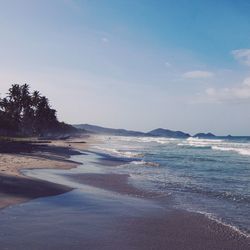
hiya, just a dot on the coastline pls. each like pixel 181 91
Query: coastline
pixel 16 188
pixel 157 228
pixel 119 183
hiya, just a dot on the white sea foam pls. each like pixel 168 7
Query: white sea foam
pixel 110 150
pixel 217 144
pixel 160 140
pixel 131 154
pixel 196 142
pixel 241 151
pixel 120 153
pixel 219 221
pixel 194 139
pixel 146 163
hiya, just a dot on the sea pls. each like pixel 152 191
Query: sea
pixel 208 176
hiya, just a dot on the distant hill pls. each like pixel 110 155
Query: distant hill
pixel 205 135
pixel 108 131
pixel 160 132
pixel 168 133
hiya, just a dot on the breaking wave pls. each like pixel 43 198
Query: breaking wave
pixel 217 144
pixel 160 140
pixel 120 153
pixel 241 151
pixel 146 163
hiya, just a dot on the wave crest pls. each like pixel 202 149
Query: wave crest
pixel 241 151
pixel 146 163
pixel 120 153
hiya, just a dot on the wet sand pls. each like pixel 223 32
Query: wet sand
pixel 112 182
pixel 15 189
pixel 166 228
pixel 112 215
pixel 182 230
pixel 33 154
pixel 93 220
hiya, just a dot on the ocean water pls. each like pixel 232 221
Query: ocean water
pixel 205 176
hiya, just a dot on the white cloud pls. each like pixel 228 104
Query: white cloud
pixel 242 55
pixel 105 40
pixel 167 64
pixel 237 93
pixel 197 74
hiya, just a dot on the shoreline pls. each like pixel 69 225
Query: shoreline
pixel 119 183
pixel 177 229
pixel 16 188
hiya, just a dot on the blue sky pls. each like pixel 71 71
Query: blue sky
pixel 182 64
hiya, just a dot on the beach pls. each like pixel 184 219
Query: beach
pixel 15 156
pixel 78 200
pixel 124 125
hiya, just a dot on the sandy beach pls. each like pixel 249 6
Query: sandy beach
pixel 16 156
pixel 114 215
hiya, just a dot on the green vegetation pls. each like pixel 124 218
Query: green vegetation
pixel 26 113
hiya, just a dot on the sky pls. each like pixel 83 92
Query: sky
pixel 177 64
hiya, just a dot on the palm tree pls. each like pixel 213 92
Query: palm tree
pixel 45 117
pixel 36 96
pixel 6 119
pixel 14 100
pixel 28 113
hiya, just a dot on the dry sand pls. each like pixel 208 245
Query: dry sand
pixel 50 155
pixel 15 156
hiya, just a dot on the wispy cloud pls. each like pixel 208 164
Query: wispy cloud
pixel 242 55
pixel 167 64
pixel 238 93
pixel 104 39
pixel 198 74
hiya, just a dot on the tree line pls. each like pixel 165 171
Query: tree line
pixel 26 113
